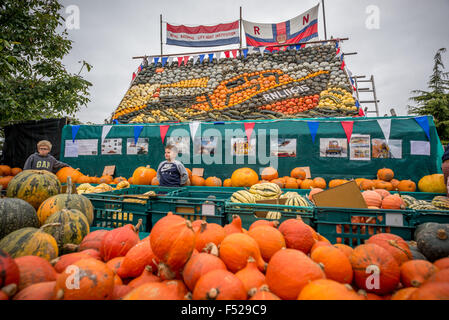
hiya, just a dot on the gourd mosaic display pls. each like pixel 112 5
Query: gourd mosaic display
pixel 305 83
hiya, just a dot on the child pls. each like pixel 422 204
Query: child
pixel 172 173
pixel 42 160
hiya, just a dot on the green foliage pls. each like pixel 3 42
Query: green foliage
pixel 436 101
pixel 34 84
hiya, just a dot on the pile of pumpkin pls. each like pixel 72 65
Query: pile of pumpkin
pixel 6 174
pixel 181 260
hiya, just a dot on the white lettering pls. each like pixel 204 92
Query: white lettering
pixel 73 20
pixel 73 280
pixel 372 282
pixel 373 20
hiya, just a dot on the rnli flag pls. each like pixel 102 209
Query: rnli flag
pixel 300 29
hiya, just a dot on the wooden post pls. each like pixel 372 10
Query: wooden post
pixel 324 21
pixel 240 32
pixel 161 36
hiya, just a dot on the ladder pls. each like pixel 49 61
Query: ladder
pixel 372 89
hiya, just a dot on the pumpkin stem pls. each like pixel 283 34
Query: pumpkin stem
pixel 275 223
pixel 251 259
pixel 69 185
pixel 149 268
pixel 71 247
pixel 441 234
pixel 212 294
pixel 55 261
pixel 203 226
pixel 361 292
pixel 10 289
pixel 252 292
pixel 188 296
pixel 60 294
pixel 211 248
pixel 394 243
pixel 50 225
pixel 189 224
pixel 138 225
pixel 164 272
pixel 415 283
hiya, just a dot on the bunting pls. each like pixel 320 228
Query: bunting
pixel 163 130
pixel 137 131
pixel 313 128
pixel 249 126
pixel 347 127
pixel 164 60
pixel 424 124
pixel 104 132
pixel 75 130
pixel 385 126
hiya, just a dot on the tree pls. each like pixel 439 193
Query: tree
pixel 435 102
pixel 34 84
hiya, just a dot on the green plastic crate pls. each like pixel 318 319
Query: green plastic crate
pixel 423 216
pixel 248 211
pixel 351 227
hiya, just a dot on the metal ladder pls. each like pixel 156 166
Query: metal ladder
pixel 372 90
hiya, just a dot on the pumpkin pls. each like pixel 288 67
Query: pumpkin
pixel 208 233
pixel 152 291
pixel 375 269
pixel 385 174
pixel 367 185
pixel 279 182
pixel 290 183
pixel 235 250
pixel 261 222
pixel 337 182
pixel 263 293
pixel 33 270
pixel 114 264
pixel 178 288
pixel 372 198
pixel 380 184
pixel 95 281
pixel 219 285
pixel 37 291
pixel 442 263
pixel 227 183
pixel 62 262
pixel 394 244
pixel 120 291
pixel 173 240
pixel 235 226
pixel 383 193
pixel 289 271
pixel 439 276
pixel 307 184
pixel 327 289
pixel 298 173
pixel 143 175
pixel 406 186
pixel 297 235
pixel 395 184
pixel 9 270
pixel 347 250
pixel 108 179
pixel 131 180
pixel 213 182
pixel 5 170
pixel 432 291
pixel 415 272
pixel 318 244
pixel 269 239
pixel 269 174
pixel 189 173
pixel 393 201
pixel 4 181
pixel 155 182
pixel 93 240
pixel 66 172
pixel 119 179
pixel 403 294
pixel 146 276
pixel 251 276
pixel 432 183
pixel 15 171
pixel 312 192
pixel 335 263
pixel 117 242
pixel 83 179
pixel 69 226
pixel 244 177
pixel 16 214
pixel 30 242
pixel 198 181
pixel 319 182
pixel 34 186
pixel 199 265
pixel 136 259
pixel 432 240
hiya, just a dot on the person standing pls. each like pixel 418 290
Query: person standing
pixel 171 172
pixel 42 160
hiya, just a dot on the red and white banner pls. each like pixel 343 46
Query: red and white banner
pixel 203 36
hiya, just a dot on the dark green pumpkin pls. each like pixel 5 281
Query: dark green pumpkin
pixel 16 214
pixel 415 252
pixel 70 226
pixel 433 240
pixel 34 186
pixel 30 242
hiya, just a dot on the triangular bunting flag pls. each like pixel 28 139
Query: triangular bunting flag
pixel 245 52
pixel 385 126
pixel 170 60
pixel 249 126
pixel 179 61
pixel 347 127
pixel 75 130
pixel 163 130
pixel 211 57
pixel 424 124
pixel 361 112
pixel 261 50
pixel 105 131
pixel 134 76
pixel 313 128
pixel 164 60
pixel 218 56
pixel 186 60
pixel 194 128
pixel 202 57
pixel 137 131
pixel 343 64
pixel 298 47
pixel 156 60
pixel 250 50
pixel 195 59
pixel 115 121
pixel 234 53
pixel 226 54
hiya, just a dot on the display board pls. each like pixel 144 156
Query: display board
pixel 331 147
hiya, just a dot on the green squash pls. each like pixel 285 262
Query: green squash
pixel 433 240
pixel 16 214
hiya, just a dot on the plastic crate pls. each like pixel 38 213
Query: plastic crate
pixel 142 235
pixel 249 212
pixel 423 216
pixel 353 226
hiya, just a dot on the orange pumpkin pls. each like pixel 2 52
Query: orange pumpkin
pixel 143 175
pixel 269 174
pixel 244 177
pixel 261 222
pixel 385 174
pixel 208 233
pixel 297 235
pixel 367 185
pixel 393 201
pixel 319 182
pixel 432 291
pixel 395 184
pixel 120 291
pixel 83 179
pixel 34 269
pixel 372 198
pixel 235 226
pixel 289 271
pixel 442 263
pixel 439 276
pixel 146 276
pixel 117 242
pixel 347 250
pixel 4 181
pixel 65 172
pixel 155 182
pixel 383 193
pixel 152 291
pixel 307 184
pixel 119 179
pixel 415 272
pixel 337 182
pixel 106 179
pixel 5 170
pixel 314 191
pixel 15 171
pixel 136 259
pixel 213 182
pixel 219 285
pixel 62 262
pixel 115 263
pixel 407 186
pixel 335 263
pixel 198 181
pixel 290 183
pixel 227 183
pixel 318 244
pixel 394 244
pixel 298 173
pixel 189 172
pixel 403 294
pixel 263 293
pixel 279 182
pixel 37 291
pixel 251 276
pixel 269 239
pixel 327 289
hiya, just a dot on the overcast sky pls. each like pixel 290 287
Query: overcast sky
pixel 399 54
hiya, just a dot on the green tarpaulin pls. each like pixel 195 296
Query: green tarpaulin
pixel 409 153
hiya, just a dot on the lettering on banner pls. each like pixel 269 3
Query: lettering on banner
pixel 285 93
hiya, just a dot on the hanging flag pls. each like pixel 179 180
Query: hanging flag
pixel 250 50
pixel 245 52
pixel 385 126
pixel 361 112
pixel 134 76
pixel 195 59
pixel 211 57
pixel 139 68
pixel 186 59
pixel 202 57
pixel 203 36
pixel 194 126
pixel 163 130
pixel 301 28
pixel 75 130
pixel 347 127
pixel 137 131
pixel 170 60
pixel 164 60
pixel 424 124
pixel 249 126
pixel 218 56
pixel 234 53
pixel 226 54
pixel 104 132
pixel 343 64
pixel 313 128
pixel 156 60
pixel 298 47
pixel 261 50
pixel 179 61
pixel 115 121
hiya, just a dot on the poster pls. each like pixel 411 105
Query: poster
pixel 360 147
pixel 420 148
pixel 182 144
pixel 141 147
pixel 111 146
pixel 81 147
pixel 205 145
pixel 383 151
pixel 283 148
pixel 240 147
pixel 333 147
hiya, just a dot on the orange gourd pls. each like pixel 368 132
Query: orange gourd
pixel 347 250
pixel 146 276
pixel 280 182
pixel 219 285
pixel 261 222
pixel 227 183
pixel 415 272
pixel 251 276
pixel 403 294
pixel 235 226
pixel 383 193
pixel 65 172
pixel 394 202
pixel 198 181
pixel 93 240
pixel 4 181
pixel 62 262
pixel 155 182
pixel 120 291
pixel 270 240
pixel 5 170
pixel 244 177
pixel 106 179
pixel 269 174
pixel 37 291
pixel 319 182
pixel 213 182
pixel 143 175
pixel 290 183
pixel 395 184
pixel 432 291
pixel 327 289
pixel 263 293
pixel 335 263
pixel 367 185
pixel 442 263
pixel 380 184
pixel 15 171
pixel 337 182
pixel 298 173
pixel 394 244
pixel 407 186
pixel 208 233
pixel 152 291
pixel 136 259
pixel 307 184
pixel 372 198
pixel 34 269
pixel 117 242
pixel 385 174
pixel 318 244
pixel 297 235
pixel 314 191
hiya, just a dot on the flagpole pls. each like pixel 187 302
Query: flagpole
pixel 161 35
pixel 240 31
pixel 324 21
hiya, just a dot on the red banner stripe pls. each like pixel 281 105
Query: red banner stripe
pixel 203 29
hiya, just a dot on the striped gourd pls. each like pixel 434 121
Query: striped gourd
pixel 34 186
pixel 69 226
pixel 289 194
pixel 16 214
pixel 274 215
pixel 408 200
pixel 243 196
pixel 423 206
pixel 298 202
pixel 30 242
pixel 441 202
pixel 268 189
